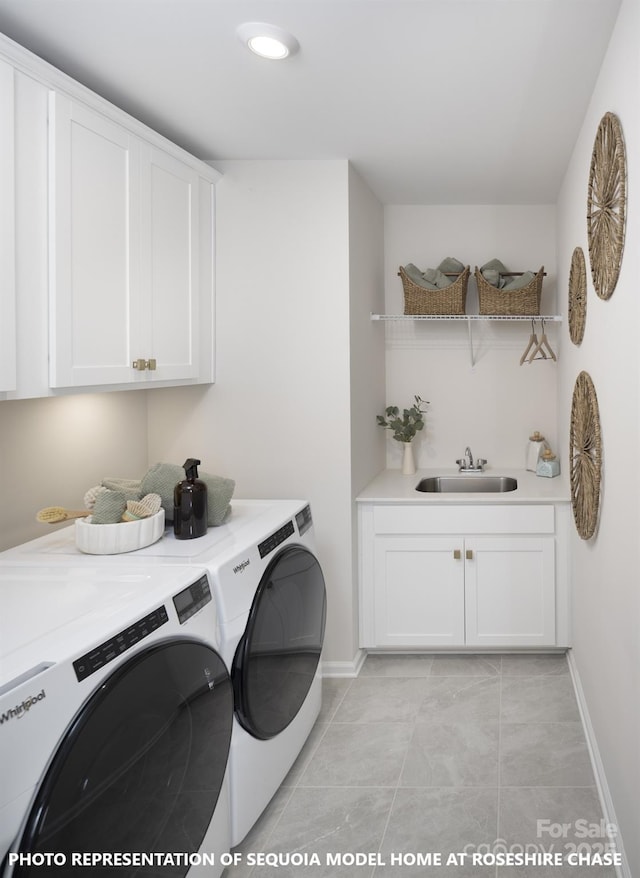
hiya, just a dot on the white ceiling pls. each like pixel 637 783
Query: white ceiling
pixel 434 101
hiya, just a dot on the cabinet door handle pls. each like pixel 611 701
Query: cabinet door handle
pixel 469 554
pixel 141 365
pixel 457 554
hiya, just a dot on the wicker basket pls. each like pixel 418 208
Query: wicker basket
pixel 520 302
pixel 449 300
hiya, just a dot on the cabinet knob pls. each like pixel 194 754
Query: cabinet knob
pixel 469 554
pixel 457 554
pixel 141 365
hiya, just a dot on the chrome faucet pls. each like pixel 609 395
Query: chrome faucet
pixel 466 463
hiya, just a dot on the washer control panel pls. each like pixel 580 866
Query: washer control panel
pixel 304 520
pixel 101 655
pixel 267 546
pixel 191 599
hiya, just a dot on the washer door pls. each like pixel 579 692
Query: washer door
pixel 141 766
pixel 277 657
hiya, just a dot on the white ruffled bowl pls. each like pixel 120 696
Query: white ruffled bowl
pixel 115 539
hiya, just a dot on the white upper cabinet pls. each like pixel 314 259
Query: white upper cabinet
pixel 94 278
pixel 106 243
pixel 7 232
pixel 126 291
pixel 170 264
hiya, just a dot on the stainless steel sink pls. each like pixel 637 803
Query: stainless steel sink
pixel 467 484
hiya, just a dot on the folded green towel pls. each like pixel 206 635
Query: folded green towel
pixel 129 487
pixel 434 278
pixel 414 274
pixel 163 477
pixel 520 281
pixel 449 265
pixel 493 277
pixel 108 507
pixel 437 278
pixel 492 272
pixel 494 265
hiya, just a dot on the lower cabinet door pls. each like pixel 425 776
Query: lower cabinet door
pixel 419 591
pixel 510 591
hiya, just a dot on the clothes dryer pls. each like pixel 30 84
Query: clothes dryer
pixel 116 713
pixel 271 599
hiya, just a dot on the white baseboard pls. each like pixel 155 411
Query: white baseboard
pixel 608 810
pixel 344 669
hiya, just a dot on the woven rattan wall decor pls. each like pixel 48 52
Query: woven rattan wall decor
pixel 606 205
pixel 586 456
pixel 577 296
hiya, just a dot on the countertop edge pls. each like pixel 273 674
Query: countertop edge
pixel 391 486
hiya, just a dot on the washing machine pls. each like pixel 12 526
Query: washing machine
pixel 270 595
pixel 116 712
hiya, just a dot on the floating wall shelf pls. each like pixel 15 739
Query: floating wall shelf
pixel 548 318
pixel 470 319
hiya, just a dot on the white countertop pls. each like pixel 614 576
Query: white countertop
pixel 391 486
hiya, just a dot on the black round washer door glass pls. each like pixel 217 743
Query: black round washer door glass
pixel 277 658
pixel 141 766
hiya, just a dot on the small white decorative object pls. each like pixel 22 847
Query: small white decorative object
pixel 534 450
pixel 114 539
pixel 408 463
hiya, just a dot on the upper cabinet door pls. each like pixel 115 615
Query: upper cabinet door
pixel 94 209
pixel 7 232
pixel 169 235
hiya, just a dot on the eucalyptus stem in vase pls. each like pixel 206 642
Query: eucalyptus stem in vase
pixel 404 427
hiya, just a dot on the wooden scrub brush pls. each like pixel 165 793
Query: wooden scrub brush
pixel 56 514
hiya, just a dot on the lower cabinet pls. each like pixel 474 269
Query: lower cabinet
pixel 420 590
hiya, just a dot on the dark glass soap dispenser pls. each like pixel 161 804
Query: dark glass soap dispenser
pixel 190 504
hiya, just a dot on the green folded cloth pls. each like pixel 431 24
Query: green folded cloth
pixel 520 281
pixel 108 507
pixel 163 477
pixel 494 265
pixel 449 265
pixel 434 278
pixel 129 487
pixel 418 277
pixel 493 277
pixel 494 273
pixel 437 278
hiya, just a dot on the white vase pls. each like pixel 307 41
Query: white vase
pixel 408 463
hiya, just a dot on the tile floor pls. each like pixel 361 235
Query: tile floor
pixel 437 754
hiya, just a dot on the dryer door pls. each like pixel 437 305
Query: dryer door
pixel 141 766
pixel 277 657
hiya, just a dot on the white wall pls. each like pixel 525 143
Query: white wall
pixel 278 419
pixel 494 405
pixel 53 450
pixel 367 364
pixel 606 569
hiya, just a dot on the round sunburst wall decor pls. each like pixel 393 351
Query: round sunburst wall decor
pixel 585 447
pixel 606 205
pixel 577 296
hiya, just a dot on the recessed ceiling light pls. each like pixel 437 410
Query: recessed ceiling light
pixel 268 40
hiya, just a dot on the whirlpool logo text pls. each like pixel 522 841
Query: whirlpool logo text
pixel 20 710
pixel 241 566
